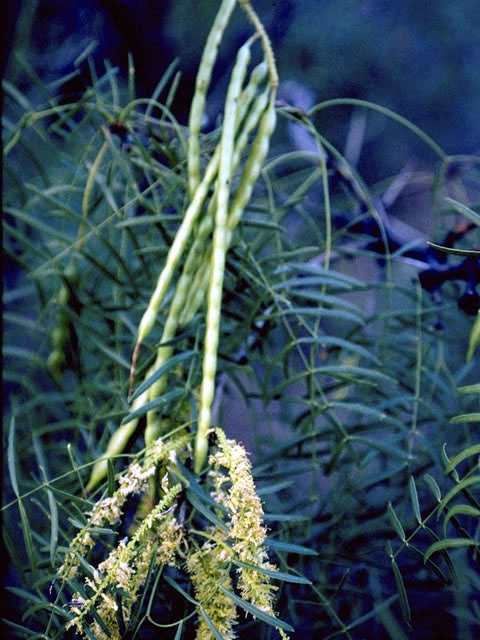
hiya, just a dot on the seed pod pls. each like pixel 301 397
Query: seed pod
pixel 181 238
pixel 148 320
pixel 254 164
pixel 56 359
pixel 117 443
pixel 204 74
pixel 218 256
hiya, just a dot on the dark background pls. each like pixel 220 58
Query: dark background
pixel 419 58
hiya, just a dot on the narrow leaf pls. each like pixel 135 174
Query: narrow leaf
pixel 449 543
pixel 158 402
pixel 465 417
pixel 414 498
pixel 110 478
pixel 211 626
pixel 276 575
pixel 172 362
pixel 396 524
pixel 470 451
pixel 456 252
pixel 194 501
pixel 463 484
pixel 402 594
pixel 176 586
pixel 277 545
pixel 432 483
pixel 256 612
pixel 464 210
pixel 463 509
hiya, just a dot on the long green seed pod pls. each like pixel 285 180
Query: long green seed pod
pixel 117 443
pixel 56 359
pixel 154 425
pixel 253 166
pixel 204 74
pixel 150 315
pixel 196 251
pixel 218 256
pixel 250 175
pixel 181 238
pixel 266 44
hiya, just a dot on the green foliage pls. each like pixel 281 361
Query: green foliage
pixel 331 368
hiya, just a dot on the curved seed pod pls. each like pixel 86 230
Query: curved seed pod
pixel 266 44
pixel 116 444
pixel 196 296
pixel 218 256
pixel 204 74
pixel 154 424
pixel 60 333
pixel 257 76
pixel 195 259
pixel 200 283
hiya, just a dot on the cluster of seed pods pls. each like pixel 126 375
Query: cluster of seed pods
pixel 205 233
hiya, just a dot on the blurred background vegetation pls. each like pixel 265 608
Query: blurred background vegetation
pixel 420 59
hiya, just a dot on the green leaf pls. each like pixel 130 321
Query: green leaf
pixel 449 543
pixel 277 545
pixel 466 417
pixel 473 343
pixel 463 484
pixel 176 586
pixel 316 312
pixel 110 478
pixel 446 462
pixel 396 524
pixel 388 450
pixel 284 517
pixel 402 594
pixel 172 362
pixel 463 509
pixel 414 499
pixel 274 488
pixel 464 210
pixel 456 252
pixel 195 502
pixel 153 404
pixel 470 451
pixel 210 624
pixel 276 575
pixel 188 479
pixel 26 527
pixel 471 388
pixel 256 612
